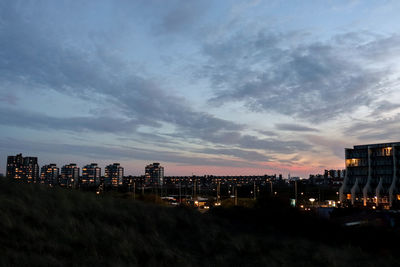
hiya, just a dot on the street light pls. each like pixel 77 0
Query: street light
pixel 312 201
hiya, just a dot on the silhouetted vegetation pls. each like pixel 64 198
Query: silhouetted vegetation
pixel 42 226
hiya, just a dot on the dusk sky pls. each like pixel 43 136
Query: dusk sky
pixel 203 87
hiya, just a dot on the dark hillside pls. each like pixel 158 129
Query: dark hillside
pixel 42 226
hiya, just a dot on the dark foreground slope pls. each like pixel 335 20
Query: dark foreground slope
pixel 40 226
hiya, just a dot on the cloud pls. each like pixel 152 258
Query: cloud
pixel 378 131
pixel 107 55
pixel 238 153
pixel 382 48
pixel 181 16
pixel 38 121
pixel 294 127
pixel 44 60
pixel 245 141
pixel 273 144
pixel 114 153
pixel 102 124
pixel 9 98
pixel 383 107
pixel 267 133
pixel 291 75
pixel 336 146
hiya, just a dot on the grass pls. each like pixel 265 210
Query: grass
pixel 42 226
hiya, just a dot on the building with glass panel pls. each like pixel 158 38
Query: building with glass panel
pixel 91 175
pixel 114 175
pixel 24 169
pixel 154 174
pixel 69 175
pixel 372 175
pixel 49 174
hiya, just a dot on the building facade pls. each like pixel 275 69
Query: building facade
pixel 25 169
pixel 69 175
pixel 91 175
pixel 31 169
pixel 49 174
pixel 154 174
pixel 15 167
pixel 114 175
pixel 372 175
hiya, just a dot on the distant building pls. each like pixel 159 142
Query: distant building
pixel 211 180
pixel 69 175
pixel 91 175
pixel 31 169
pixel 331 174
pixel 293 178
pixel 15 167
pixel 372 175
pixel 330 177
pixel 25 169
pixel 154 174
pixel 114 175
pixel 49 174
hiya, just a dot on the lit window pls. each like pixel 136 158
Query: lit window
pixel 387 151
pixel 353 162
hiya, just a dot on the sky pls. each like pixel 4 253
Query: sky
pixel 203 87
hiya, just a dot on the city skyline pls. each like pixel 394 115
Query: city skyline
pixel 109 170
pixel 205 87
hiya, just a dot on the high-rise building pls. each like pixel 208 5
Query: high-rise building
pixel 49 174
pixel 14 167
pixel 114 175
pixel 69 175
pixel 91 175
pixel 154 174
pixel 24 169
pixel 372 175
pixel 31 169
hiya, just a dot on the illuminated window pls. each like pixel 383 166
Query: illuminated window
pixel 348 196
pixel 353 162
pixel 387 151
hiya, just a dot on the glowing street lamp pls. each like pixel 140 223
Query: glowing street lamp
pixel 312 201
